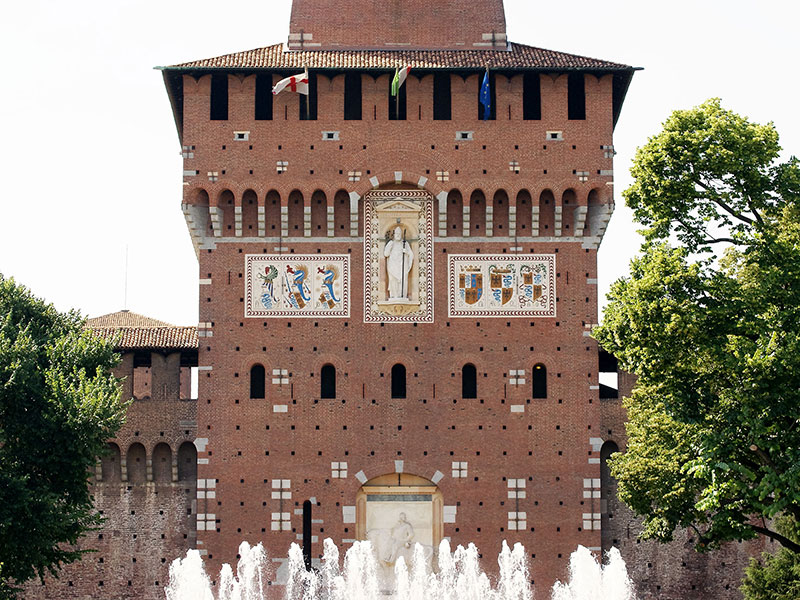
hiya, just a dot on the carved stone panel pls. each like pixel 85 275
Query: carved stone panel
pixel 398 269
pixel 499 285
pixel 297 285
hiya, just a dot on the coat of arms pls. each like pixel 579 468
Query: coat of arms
pixel 470 284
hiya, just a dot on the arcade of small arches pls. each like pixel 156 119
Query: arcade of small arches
pixel 397 383
pixel 219 213
pixel 135 466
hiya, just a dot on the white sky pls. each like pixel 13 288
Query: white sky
pixel 89 155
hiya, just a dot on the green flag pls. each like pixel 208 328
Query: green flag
pixel 399 79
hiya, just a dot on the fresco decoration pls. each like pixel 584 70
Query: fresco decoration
pixel 501 285
pixel 297 285
pixel 398 265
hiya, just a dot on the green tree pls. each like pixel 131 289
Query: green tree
pixel 709 321
pixel 775 577
pixel 59 404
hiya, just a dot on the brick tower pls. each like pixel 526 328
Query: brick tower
pixel 396 294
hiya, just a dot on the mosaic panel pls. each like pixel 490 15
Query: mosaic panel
pixel 297 285
pixel 499 285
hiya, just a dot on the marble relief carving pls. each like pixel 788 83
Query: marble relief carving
pixel 297 285
pixel 501 285
pixel 398 270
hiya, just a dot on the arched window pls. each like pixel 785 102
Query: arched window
pixel 110 464
pixel 327 382
pixel 398 381
pixel 539 377
pixel 608 495
pixel 307 539
pixel 187 462
pixel 257 381
pixel 137 464
pixel 162 463
pixel 469 381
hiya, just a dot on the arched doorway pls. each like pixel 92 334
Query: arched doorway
pixel 397 509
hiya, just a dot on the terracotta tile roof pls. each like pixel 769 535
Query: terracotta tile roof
pixel 134 331
pixel 517 56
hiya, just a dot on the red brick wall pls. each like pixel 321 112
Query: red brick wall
pixel 548 445
pixel 340 24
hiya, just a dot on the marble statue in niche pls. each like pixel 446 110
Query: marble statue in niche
pixel 399 260
pixel 397 253
pixel 401 537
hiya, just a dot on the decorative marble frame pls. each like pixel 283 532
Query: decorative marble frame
pixel 256 263
pixel 487 305
pixel 373 253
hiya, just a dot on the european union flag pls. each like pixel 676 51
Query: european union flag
pixel 486 96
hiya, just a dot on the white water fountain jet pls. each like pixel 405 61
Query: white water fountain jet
pixel 589 580
pixel 188 579
pixel 458 576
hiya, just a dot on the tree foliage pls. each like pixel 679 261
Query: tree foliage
pixel 709 321
pixel 59 404
pixel 775 577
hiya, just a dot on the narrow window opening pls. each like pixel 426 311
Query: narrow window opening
pixel 397 104
pixel 263 111
pixel 442 102
pixel 576 97
pixel 539 377
pixel 398 381
pixel 531 97
pixel 219 97
pixel 327 383
pixel 352 96
pixel 307 534
pixel 469 381
pixel 257 381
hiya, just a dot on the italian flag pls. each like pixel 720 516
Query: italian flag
pixel 399 79
pixel 295 83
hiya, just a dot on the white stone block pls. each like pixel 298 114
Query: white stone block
pixel 398 466
pixel 280 408
pixel 348 514
pixel 211 495
pixel 361 477
pixel 437 477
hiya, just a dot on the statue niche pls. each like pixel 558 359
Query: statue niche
pixel 399 261
pixel 398 270
pixel 398 222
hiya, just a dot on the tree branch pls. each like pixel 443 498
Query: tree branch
pixel 723 205
pixel 781 539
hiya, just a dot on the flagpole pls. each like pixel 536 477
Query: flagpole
pixel 397 96
pixel 308 97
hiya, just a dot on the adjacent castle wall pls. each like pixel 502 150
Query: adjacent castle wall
pixel 145 489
